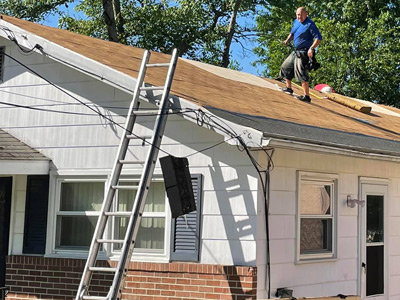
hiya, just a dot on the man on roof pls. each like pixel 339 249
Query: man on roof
pixel 306 37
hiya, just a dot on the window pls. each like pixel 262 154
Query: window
pixel 79 207
pixel 316 217
pixel 2 49
pixel 151 234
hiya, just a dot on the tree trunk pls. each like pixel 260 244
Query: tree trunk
pixel 231 31
pixel 120 21
pixel 109 18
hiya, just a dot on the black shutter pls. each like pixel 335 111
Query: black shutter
pixel 185 235
pixel 5 210
pixel 2 49
pixel 37 196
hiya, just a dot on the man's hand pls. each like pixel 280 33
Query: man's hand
pixel 310 52
pixel 285 42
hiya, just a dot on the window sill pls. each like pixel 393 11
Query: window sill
pixel 310 260
pixel 144 258
pixel 74 255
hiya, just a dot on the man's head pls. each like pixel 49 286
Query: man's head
pixel 301 14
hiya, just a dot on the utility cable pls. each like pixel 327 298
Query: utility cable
pixel 81 102
pixel 200 119
pixel 265 183
pixel 96 113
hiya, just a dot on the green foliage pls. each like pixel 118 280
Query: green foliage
pixel 198 28
pixel 32 10
pixel 359 51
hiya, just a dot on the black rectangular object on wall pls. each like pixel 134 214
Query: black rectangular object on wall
pixel 37 195
pixel 178 185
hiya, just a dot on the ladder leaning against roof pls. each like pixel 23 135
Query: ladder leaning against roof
pixel 135 215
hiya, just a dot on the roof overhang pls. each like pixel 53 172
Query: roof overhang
pixel 288 134
pixel 123 81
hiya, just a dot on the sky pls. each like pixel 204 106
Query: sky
pixel 244 58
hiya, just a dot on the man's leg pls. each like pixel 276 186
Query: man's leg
pixel 287 72
pixel 301 74
pixel 306 88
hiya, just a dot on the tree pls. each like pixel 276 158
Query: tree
pixel 359 48
pixel 201 29
pixel 34 11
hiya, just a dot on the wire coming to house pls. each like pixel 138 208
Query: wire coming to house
pixel 202 118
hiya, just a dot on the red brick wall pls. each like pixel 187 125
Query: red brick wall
pixel 32 277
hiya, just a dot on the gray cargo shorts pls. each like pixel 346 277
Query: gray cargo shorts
pixel 295 66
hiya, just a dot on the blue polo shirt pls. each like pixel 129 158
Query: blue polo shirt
pixel 304 33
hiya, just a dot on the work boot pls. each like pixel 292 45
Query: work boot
pixel 287 90
pixel 304 98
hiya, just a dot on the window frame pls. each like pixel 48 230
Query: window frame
pixel 57 204
pixel 318 179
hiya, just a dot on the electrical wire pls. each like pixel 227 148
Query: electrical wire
pixel 11 36
pixel 201 119
pixel 84 104
pixel 96 113
pixel 36 107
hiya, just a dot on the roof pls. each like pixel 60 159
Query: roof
pixel 13 149
pixel 244 98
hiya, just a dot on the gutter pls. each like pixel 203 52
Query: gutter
pixel 294 143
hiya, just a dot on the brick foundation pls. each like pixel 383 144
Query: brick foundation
pixel 33 277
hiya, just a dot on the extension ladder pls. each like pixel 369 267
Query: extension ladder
pixel 135 215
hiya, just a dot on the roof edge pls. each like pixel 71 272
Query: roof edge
pixel 315 136
pixel 116 78
pixel 70 58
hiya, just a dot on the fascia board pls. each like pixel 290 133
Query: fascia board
pixel 122 81
pixel 24 167
pixel 329 149
pixel 74 60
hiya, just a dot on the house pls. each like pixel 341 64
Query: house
pixel 327 185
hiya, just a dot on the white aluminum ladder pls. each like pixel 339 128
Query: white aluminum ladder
pixel 135 215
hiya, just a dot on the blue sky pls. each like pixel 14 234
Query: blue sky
pixel 245 59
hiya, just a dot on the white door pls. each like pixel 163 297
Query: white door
pixel 374 237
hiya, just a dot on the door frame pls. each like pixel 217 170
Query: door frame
pixel 381 186
pixel 8 181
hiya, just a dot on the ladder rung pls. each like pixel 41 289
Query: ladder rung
pixel 131 162
pixel 151 88
pixel 111 241
pixel 118 213
pixel 136 137
pixel 94 298
pixel 145 112
pixel 158 65
pixel 102 269
pixel 125 187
